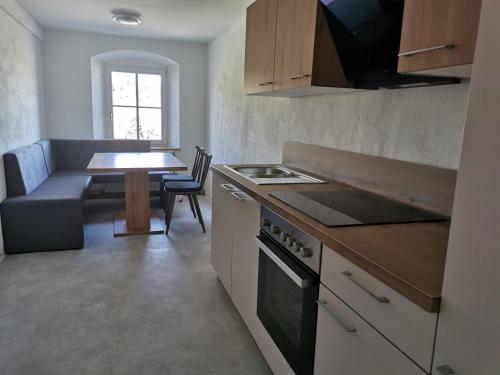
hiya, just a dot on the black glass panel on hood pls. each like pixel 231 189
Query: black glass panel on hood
pixel 365 19
pixel 367 35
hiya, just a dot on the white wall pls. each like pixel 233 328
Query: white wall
pixel 68 86
pixel 22 118
pixel 422 125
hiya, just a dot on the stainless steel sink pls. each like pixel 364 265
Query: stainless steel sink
pixel 264 172
pixel 272 175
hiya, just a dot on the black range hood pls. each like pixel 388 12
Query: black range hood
pixel 367 35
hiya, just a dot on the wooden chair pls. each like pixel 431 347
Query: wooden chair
pixel 191 189
pixel 181 177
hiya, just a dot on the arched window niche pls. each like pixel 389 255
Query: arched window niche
pixel 100 65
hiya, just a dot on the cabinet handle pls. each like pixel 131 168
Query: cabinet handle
pixel 265 83
pixel 445 370
pixel 348 328
pixel 239 195
pixel 417 51
pixel 229 187
pixel 293 78
pixel 350 276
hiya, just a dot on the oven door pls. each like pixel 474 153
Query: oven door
pixel 286 304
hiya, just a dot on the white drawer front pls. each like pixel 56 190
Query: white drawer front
pixel 347 345
pixel 404 323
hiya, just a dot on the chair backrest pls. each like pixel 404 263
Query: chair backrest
pixel 206 160
pixel 197 162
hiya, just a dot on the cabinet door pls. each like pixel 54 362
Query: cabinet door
pixel 347 345
pixel 245 275
pixel 245 261
pixel 222 229
pixel 431 25
pixel 260 46
pixel 295 36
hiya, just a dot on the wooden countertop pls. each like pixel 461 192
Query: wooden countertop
pixel 409 258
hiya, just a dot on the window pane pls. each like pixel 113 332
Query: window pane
pixel 150 124
pixel 149 90
pixel 124 123
pixel 123 88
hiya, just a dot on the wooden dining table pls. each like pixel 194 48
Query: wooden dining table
pixel 138 217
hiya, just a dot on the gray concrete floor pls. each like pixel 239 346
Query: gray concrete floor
pixel 132 305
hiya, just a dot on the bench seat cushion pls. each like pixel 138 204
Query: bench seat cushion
pixel 97 177
pixel 50 218
pixel 61 188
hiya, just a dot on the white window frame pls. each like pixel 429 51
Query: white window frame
pixel 164 100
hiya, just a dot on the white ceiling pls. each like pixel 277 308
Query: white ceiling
pixel 189 20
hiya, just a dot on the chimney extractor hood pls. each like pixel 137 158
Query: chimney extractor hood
pixel 367 35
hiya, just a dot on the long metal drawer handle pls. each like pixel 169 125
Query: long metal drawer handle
pixel 293 78
pixel 445 370
pixel 348 328
pixel 350 276
pixel 265 83
pixel 239 195
pixel 302 283
pixel 229 187
pixel 417 51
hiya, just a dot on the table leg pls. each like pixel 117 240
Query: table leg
pixel 137 218
pixel 137 201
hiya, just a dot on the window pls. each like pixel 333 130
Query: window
pixel 137 104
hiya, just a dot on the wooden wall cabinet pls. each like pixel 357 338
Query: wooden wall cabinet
pixel 291 39
pixel 260 45
pixel 439 37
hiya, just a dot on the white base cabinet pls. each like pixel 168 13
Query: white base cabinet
pixel 223 207
pixel 235 258
pixel 347 345
pixel 402 322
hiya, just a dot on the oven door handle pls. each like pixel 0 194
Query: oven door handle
pixel 301 282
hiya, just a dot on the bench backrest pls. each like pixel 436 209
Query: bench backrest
pixel 50 160
pixel 25 169
pixel 76 154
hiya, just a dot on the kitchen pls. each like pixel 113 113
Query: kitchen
pixel 369 273
pixel 249 187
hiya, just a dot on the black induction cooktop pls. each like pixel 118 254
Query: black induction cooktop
pixel 338 208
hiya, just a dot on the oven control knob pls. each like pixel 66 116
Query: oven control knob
pixel 290 241
pixel 296 246
pixel 284 236
pixel 275 229
pixel 305 252
pixel 266 223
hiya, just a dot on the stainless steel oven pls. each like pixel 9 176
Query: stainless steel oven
pixel 288 288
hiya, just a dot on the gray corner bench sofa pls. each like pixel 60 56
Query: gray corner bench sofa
pixel 47 183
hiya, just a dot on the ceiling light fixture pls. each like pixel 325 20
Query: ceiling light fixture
pixel 127 18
